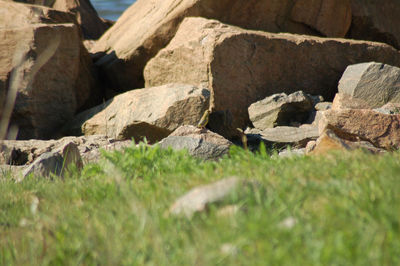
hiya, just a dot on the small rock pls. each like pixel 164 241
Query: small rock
pixel 280 110
pixel 389 109
pixel 323 106
pixel 291 152
pixel 197 199
pixel 200 143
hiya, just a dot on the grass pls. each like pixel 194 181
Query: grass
pixel 340 209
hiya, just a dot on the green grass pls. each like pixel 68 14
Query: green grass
pixel 346 207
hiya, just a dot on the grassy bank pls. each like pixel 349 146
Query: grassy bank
pixel 341 209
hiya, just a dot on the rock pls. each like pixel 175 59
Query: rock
pixel 323 106
pixel 198 199
pixel 329 17
pixel 286 153
pixel 55 162
pixel 152 113
pixel 148 26
pixel 49 78
pixel 381 130
pixel 389 109
pixel 329 141
pixel 241 66
pixel 20 153
pixel 345 101
pixel 84 13
pixel 279 137
pixel 376 20
pixel 200 143
pixel 374 83
pixel 13 14
pixel 281 110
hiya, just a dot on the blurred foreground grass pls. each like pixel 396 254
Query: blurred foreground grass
pixel 340 209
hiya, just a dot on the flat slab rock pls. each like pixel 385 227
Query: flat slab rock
pixel 200 143
pixel 282 136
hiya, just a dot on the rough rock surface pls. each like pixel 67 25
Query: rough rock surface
pixel 374 83
pixel 381 130
pixel 241 66
pixel 55 162
pixel 376 20
pixel 20 153
pixel 49 77
pixel 345 101
pixel 200 143
pixel 148 26
pixel 281 110
pixel 151 112
pixel 331 18
pixel 278 137
pixel 82 10
pixel 198 199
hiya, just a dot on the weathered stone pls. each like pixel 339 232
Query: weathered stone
pixel 345 101
pixel 374 83
pixel 329 17
pixel 152 113
pixel 323 106
pixel 55 162
pixel 18 152
pixel 376 20
pixel 381 130
pixel 200 143
pixel 389 109
pixel 241 66
pixel 14 14
pixel 278 137
pixel 291 152
pixel 46 75
pixel 329 141
pixel 148 26
pixel 82 10
pixel 281 110
pixel 199 198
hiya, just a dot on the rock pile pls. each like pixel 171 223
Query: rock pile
pixel 332 81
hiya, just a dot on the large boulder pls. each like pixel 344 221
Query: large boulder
pixel 376 20
pixel 381 130
pixel 151 112
pixel 148 26
pixel 49 77
pixel 83 12
pixel 374 83
pixel 242 66
pixel 281 110
pixel 200 143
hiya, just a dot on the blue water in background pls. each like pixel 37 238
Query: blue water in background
pixel 111 9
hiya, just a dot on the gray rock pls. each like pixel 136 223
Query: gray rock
pixel 292 152
pixel 200 143
pixel 375 83
pixel 55 162
pixel 281 110
pixel 279 137
pixel 389 109
pixel 197 199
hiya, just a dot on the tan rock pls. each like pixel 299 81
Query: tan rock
pixel 152 112
pixel 345 101
pixel 49 77
pixel 376 20
pixel 82 10
pixel 148 26
pixel 330 17
pixel 327 142
pixel 241 66
pixel 381 130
